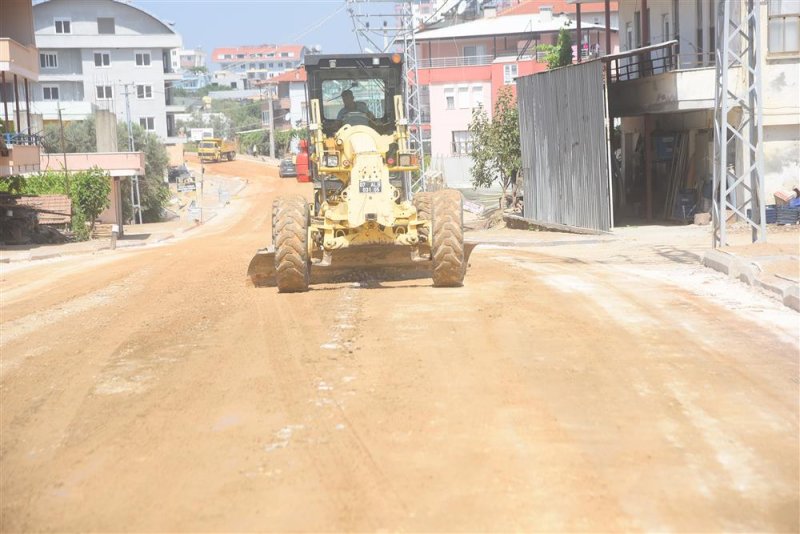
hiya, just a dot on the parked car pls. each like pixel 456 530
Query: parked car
pixel 178 173
pixel 287 169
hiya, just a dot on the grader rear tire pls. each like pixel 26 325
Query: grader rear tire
pixel 291 245
pixel 422 201
pixel 447 241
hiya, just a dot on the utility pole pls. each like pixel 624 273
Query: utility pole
pixel 271 125
pixel 63 149
pixel 738 186
pixel 135 202
pixel 128 117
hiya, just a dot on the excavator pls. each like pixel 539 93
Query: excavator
pixel 363 223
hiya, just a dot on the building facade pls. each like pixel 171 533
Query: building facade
pixel 19 70
pixel 464 66
pixel 668 92
pixel 291 107
pixel 107 55
pixel 186 59
pixel 241 67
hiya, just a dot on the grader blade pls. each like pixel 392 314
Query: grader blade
pixel 365 263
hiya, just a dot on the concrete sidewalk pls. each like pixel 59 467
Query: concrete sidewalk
pixel 773 268
pixel 136 235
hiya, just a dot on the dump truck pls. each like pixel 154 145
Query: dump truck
pixel 363 223
pixel 213 150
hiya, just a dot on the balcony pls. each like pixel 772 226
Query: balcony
pixel 654 79
pixel 18 59
pixel 461 61
pixel 20 154
pixel 642 62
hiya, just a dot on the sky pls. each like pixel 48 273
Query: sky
pixel 215 23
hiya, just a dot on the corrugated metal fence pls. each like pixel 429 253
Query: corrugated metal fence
pixel 564 150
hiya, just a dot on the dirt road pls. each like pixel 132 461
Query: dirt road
pixel 154 390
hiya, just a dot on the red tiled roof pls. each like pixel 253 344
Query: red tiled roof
pixel 51 209
pixel 247 51
pixel 296 75
pixel 527 7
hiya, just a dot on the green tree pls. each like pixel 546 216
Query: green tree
pixel 79 136
pixel 90 192
pixel 154 192
pixel 495 145
pixel 560 54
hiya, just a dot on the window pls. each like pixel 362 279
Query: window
pixel 477 96
pixel 463 97
pixel 102 59
pixel 144 91
pixel 48 60
pixel 262 66
pixel 104 92
pixel 450 98
pixel 665 26
pixel 272 65
pixel 142 59
pixel 148 123
pixel 699 32
pixel 63 25
pixel 712 32
pixel 509 73
pixel 629 35
pixel 472 54
pixel 284 54
pixel 637 29
pixel 50 92
pixel 369 97
pixel 105 26
pixel 462 143
pixel 784 26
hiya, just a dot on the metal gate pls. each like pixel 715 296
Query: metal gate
pixel 564 147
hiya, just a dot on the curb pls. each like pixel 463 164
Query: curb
pixel 785 291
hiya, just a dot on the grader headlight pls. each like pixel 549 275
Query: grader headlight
pixel 404 160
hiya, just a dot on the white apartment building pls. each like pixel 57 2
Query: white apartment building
pixel 184 59
pixel 102 54
pixel 243 66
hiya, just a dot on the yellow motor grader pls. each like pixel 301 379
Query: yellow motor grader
pixel 362 224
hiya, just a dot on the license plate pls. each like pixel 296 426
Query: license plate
pixel 369 186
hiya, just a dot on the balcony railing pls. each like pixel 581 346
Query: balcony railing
pixel 460 61
pixel 641 62
pixel 12 139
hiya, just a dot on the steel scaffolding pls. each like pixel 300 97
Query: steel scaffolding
pixel 395 32
pixel 738 125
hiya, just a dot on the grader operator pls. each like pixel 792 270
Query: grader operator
pixel 362 223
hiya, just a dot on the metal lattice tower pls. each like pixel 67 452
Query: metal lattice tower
pixel 394 32
pixel 738 152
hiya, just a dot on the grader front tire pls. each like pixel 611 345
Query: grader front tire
pixel 447 241
pixel 291 246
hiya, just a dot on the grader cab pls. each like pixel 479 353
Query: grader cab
pixel 363 223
